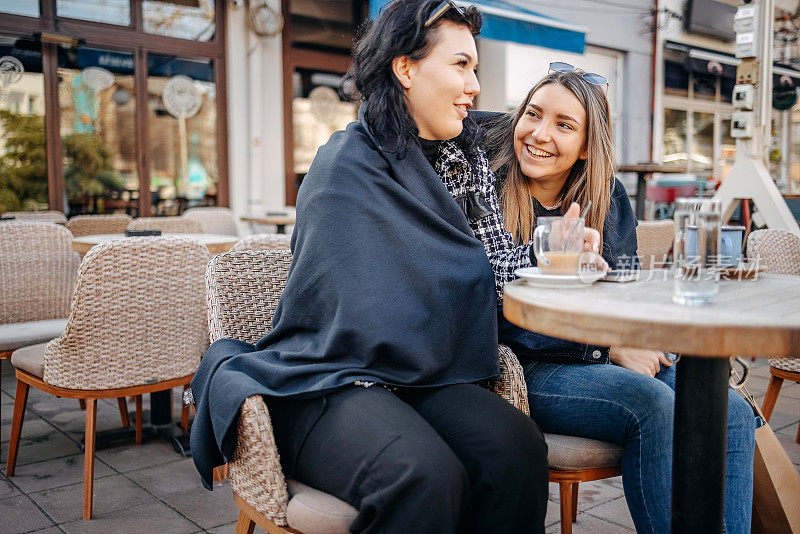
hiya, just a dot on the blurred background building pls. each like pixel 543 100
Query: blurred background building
pixel 153 106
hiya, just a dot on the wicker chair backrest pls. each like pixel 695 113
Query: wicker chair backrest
pixel 137 316
pixel 38 216
pixel 171 225
pixel 37 271
pixel 214 220
pixel 654 239
pixel 243 289
pixel 264 242
pixel 98 224
pixel 778 250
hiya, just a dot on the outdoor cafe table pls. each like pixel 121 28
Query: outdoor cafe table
pixel 757 318
pixel 280 221
pixel 643 170
pixel 216 243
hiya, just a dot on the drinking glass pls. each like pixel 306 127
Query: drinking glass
pixel 558 244
pixel 696 251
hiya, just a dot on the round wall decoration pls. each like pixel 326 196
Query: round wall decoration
pixel 181 97
pixel 11 71
pixel 97 78
pixel 266 20
pixel 324 103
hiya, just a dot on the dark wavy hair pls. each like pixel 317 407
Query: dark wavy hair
pixel 398 31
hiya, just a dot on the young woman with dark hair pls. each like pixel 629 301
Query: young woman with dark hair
pixel 387 323
pixel 555 150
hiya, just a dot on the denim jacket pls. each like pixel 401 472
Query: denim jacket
pixel 619 250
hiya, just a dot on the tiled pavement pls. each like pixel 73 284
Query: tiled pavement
pixel 151 489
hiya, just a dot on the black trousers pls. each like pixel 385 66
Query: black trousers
pixel 436 460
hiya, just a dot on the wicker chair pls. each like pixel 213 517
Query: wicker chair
pixel 779 252
pixel 98 224
pixel 171 225
pixel 264 242
pixel 137 325
pixel 37 276
pixel 243 289
pixel 38 216
pixel 214 220
pixel 655 241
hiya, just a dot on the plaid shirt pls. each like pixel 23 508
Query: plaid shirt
pixel 472 184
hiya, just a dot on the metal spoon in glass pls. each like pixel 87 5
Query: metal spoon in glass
pixel 572 232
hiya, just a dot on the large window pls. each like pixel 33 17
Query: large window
pixel 696 118
pixel 23 160
pixel 133 95
pixel 98 130
pixel 317 39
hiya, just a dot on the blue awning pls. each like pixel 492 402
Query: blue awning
pixel 506 21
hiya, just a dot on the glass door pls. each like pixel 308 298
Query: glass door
pixel 182 126
pixel 23 154
pixel 97 104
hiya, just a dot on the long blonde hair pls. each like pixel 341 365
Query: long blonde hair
pixel 589 179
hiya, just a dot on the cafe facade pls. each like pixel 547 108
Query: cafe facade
pixel 154 106
pixel 695 69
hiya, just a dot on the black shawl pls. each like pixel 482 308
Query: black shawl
pixel 387 284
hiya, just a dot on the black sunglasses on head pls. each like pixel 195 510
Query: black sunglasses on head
pixel 591 77
pixel 441 9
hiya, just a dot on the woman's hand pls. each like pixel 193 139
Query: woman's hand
pixel 591 241
pixel 647 362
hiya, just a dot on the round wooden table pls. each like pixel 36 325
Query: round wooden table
pixel 643 170
pixel 216 243
pixel 280 221
pixel 759 317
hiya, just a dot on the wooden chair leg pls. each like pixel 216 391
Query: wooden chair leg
pixel 220 473
pixel 566 505
pixel 88 458
pixel 771 397
pixel 575 501
pixel 82 403
pixel 20 402
pixel 123 412
pixel 185 414
pixel 244 525
pixel 138 419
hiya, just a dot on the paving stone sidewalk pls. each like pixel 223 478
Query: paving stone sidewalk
pixel 151 489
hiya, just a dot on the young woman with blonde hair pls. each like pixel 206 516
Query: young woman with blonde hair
pixel 555 152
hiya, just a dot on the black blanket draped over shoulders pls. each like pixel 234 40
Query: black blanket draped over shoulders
pixel 387 284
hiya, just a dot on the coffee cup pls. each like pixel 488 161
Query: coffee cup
pixel 730 246
pixel 558 244
pixel 730 249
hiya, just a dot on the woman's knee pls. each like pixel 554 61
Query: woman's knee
pixel 651 406
pixel 520 455
pixel 426 468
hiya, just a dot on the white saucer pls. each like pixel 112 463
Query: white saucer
pixel 534 277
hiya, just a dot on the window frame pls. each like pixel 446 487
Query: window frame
pixel 691 105
pixel 133 39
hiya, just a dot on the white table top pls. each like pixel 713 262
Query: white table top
pixel 759 317
pixel 206 239
pixel 216 243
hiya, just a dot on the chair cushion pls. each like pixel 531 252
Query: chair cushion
pixel 16 335
pixel 315 512
pixel 571 452
pixel 791 365
pixel 30 359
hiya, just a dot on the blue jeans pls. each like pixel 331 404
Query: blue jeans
pixel 614 404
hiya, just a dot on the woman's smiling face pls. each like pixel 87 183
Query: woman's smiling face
pixel 441 87
pixel 551 134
